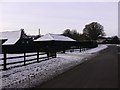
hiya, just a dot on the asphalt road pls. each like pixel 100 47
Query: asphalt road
pixel 100 71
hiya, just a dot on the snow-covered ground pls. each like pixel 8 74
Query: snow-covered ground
pixel 118 45
pixel 37 73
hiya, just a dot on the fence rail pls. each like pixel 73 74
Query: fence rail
pixel 24 57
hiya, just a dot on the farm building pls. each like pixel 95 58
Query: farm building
pixel 13 37
pixel 14 41
pixel 54 42
pixel 19 42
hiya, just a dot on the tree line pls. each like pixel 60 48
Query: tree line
pixel 91 31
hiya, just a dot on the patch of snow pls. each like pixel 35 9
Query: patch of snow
pixel 54 37
pixel 94 50
pixel 89 51
pixel 37 73
pixel 11 36
pixel 118 45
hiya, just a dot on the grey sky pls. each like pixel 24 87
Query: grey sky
pixel 55 17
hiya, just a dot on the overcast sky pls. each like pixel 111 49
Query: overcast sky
pixel 55 17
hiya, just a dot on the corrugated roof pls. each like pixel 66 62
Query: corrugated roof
pixel 11 36
pixel 54 37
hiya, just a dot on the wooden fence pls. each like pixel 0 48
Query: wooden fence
pixel 24 61
pixel 50 52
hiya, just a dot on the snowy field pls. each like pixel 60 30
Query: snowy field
pixel 37 73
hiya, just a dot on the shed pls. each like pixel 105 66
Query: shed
pixel 54 42
pixel 14 41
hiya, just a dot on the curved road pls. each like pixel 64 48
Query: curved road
pixel 100 71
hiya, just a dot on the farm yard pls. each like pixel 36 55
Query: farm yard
pixel 34 74
pixel 17 42
pixel 26 62
pixel 59 45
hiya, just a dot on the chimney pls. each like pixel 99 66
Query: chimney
pixel 39 32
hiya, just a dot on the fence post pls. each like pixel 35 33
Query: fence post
pixel 5 61
pixel 80 49
pixel 24 58
pixel 37 56
pixel 55 54
pixel 63 51
pixel 48 55
pixel 83 49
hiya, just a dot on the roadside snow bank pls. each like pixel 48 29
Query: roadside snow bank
pixel 94 50
pixel 118 45
pixel 37 73
pixel 89 51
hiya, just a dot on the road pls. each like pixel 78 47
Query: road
pixel 100 71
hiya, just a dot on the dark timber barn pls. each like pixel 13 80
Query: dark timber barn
pixel 52 43
pixel 15 41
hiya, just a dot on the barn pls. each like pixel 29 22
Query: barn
pixel 52 43
pixel 19 42
pixel 14 41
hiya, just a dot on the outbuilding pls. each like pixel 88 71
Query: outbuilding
pixel 52 43
pixel 14 41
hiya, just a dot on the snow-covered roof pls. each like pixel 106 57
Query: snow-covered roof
pixel 11 36
pixel 54 37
